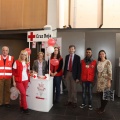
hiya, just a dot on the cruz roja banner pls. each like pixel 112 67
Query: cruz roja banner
pixel 37 36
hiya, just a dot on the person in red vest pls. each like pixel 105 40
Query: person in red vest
pixel 21 77
pixel 6 62
pixel 88 73
pixel 56 72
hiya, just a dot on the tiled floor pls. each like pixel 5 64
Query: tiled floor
pixel 60 112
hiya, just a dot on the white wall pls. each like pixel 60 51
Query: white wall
pixel 85 13
pixel 111 14
pixel 52 13
pixel 58 13
pixel 72 38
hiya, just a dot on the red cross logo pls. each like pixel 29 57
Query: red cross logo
pixel 31 36
pixel 34 76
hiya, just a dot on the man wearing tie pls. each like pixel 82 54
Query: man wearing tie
pixel 72 75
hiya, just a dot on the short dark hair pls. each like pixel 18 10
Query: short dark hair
pixel 88 49
pixel 72 46
pixel 99 59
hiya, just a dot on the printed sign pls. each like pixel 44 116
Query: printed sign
pixel 41 91
pixel 36 36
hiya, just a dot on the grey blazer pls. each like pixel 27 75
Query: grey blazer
pixel 44 66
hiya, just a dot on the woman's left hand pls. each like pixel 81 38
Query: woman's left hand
pixel 109 83
pixel 51 74
pixel 54 73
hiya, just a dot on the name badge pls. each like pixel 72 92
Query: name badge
pixel 87 66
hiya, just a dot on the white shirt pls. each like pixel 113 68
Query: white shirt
pixel 24 72
pixel 4 57
pixel 40 69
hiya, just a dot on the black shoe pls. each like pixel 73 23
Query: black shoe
pixel 21 109
pixel 26 111
pixel 83 106
pixel 7 105
pixel 90 107
pixel 68 103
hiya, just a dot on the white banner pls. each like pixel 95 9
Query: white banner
pixel 37 36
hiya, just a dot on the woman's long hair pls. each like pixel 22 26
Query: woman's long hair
pixel 99 59
pixel 58 55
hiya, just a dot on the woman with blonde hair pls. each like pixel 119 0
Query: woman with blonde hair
pixel 21 77
pixel 40 65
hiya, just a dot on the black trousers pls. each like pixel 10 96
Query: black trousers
pixel 103 102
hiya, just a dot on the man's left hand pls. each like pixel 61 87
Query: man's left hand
pixel 77 80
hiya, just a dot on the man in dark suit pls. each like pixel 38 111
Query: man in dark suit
pixel 72 75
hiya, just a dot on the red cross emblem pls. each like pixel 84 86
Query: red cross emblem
pixel 34 76
pixel 31 36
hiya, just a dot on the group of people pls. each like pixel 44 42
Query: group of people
pixel 18 71
pixel 87 72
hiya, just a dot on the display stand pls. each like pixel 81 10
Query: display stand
pixel 40 94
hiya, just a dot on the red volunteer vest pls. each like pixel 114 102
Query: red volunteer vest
pixel 88 72
pixel 6 70
pixel 54 68
pixel 18 72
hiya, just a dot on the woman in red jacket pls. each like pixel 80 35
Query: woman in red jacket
pixel 56 72
pixel 20 78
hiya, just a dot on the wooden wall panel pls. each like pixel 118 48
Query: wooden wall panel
pixel 39 14
pixel 23 14
pixel 35 13
pixel 0 14
pixel 27 14
pixel 11 14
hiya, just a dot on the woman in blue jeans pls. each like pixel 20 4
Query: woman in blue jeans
pixel 56 72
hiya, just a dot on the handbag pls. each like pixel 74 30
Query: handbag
pixel 108 94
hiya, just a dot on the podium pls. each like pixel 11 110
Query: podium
pixel 40 94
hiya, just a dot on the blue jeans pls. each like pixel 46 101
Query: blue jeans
pixel 87 87
pixel 56 86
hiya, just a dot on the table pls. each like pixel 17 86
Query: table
pixel 40 94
